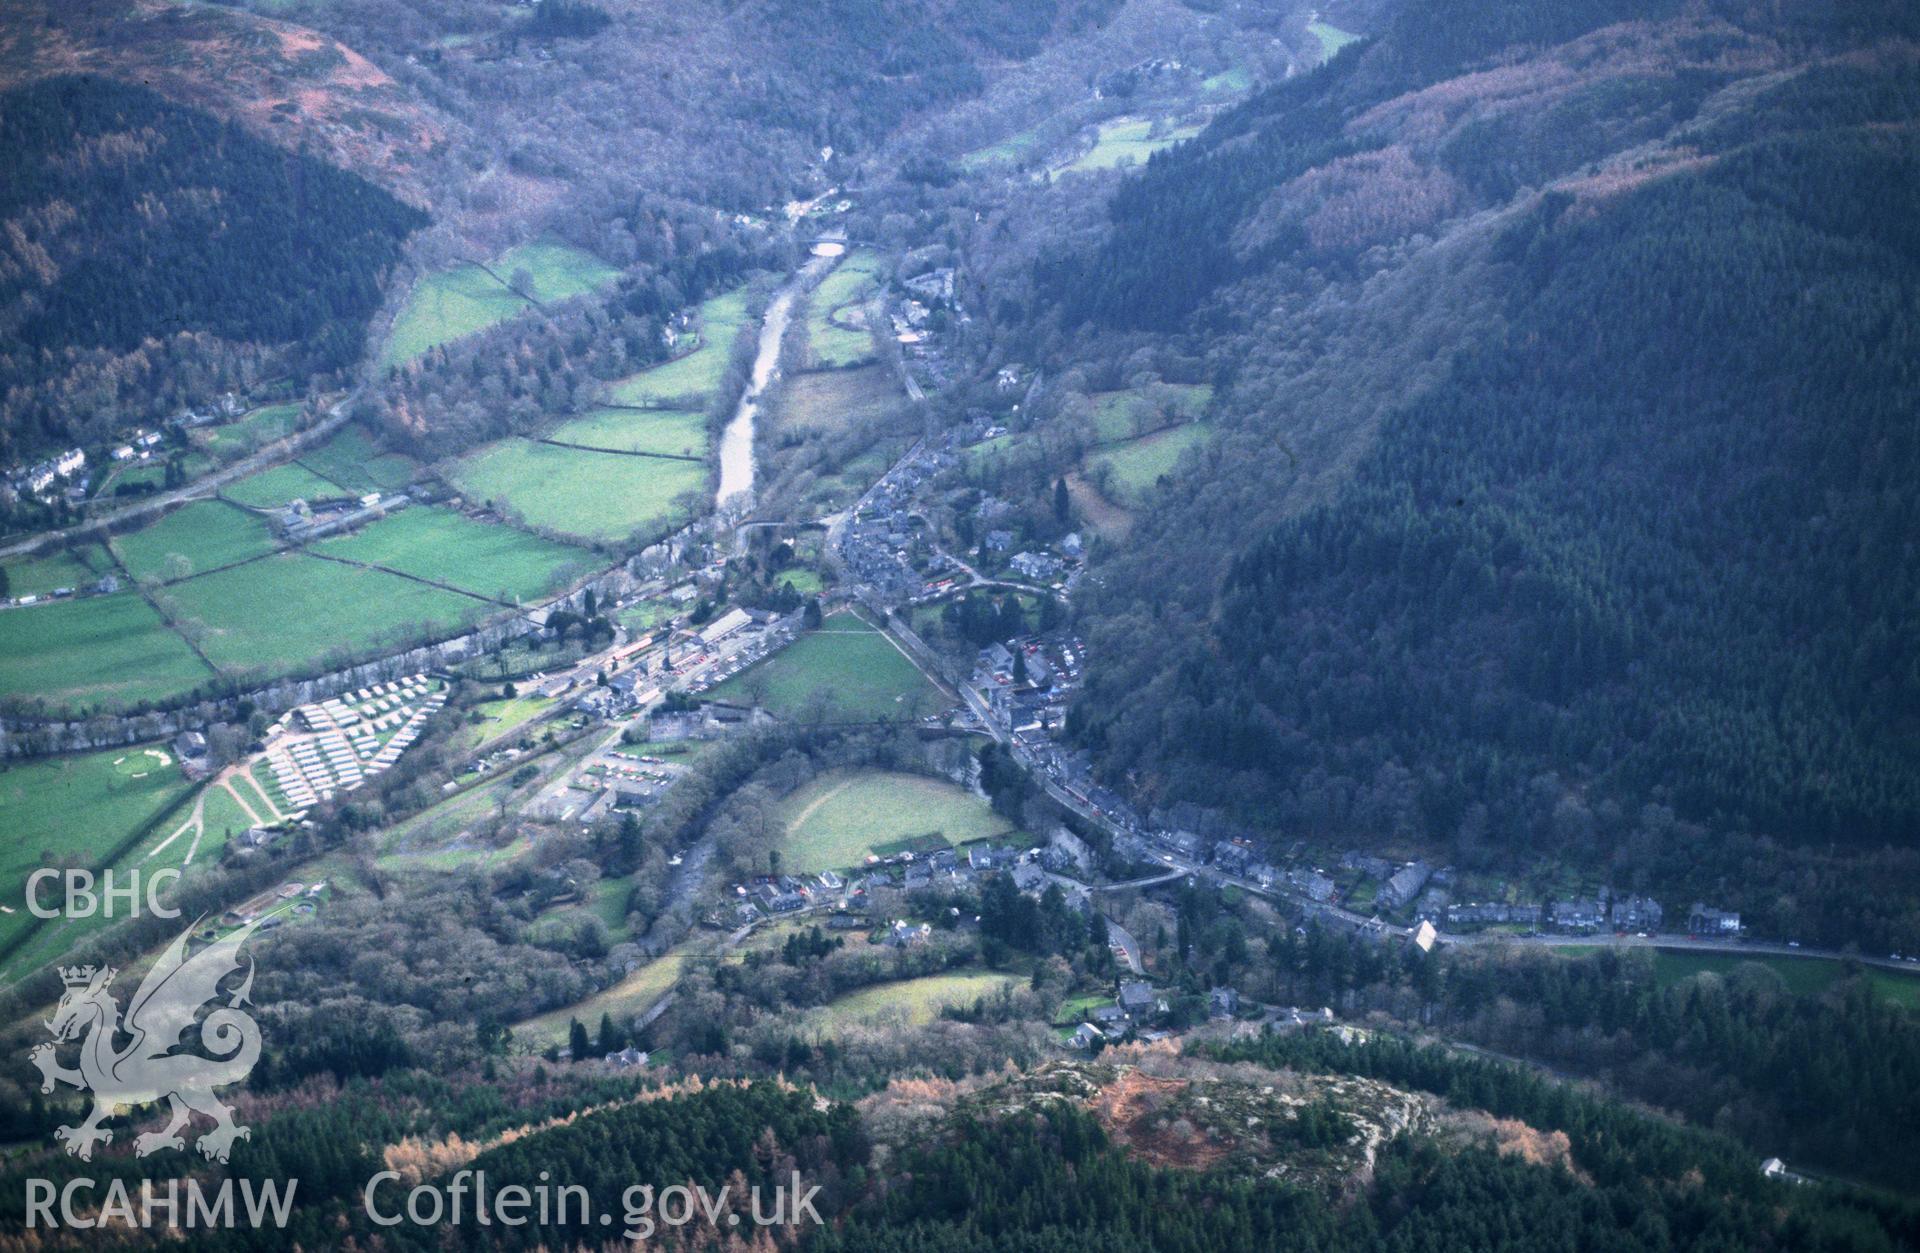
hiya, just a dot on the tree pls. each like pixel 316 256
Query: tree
pixel 1062 502
pixel 577 1043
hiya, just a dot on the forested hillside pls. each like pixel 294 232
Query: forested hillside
pixel 1636 539
pixel 154 255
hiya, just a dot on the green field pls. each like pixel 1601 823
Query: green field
pixel 252 431
pixel 273 488
pixel 856 669
pixel 153 472
pixel 1126 140
pixel 500 718
pixel 675 432
pixel 199 537
pixel 989 450
pixel 220 817
pixel 1122 415
pixel 1137 464
pixel 912 1002
pixel 645 615
pixel 596 496
pixel 1235 79
pixel 352 460
pixel 1806 976
pixel 630 997
pixel 73 810
pixel 100 650
pixel 839 818
pixel 428 832
pixel 691 377
pixel 842 290
pixel 1331 38
pixel 836 400
pixel 444 307
pixel 605 903
pixel 559 271
pixel 295 609
pixel 486 559
pixel 51 568
pixel 805 582
pixel 1013 148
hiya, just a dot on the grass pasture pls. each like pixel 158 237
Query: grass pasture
pixel 447 306
pixel 73 810
pixel 1331 37
pixel 283 484
pixel 1126 414
pixel 909 1002
pixel 839 818
pixel 459 302
pixel 1100 515
pixel 100 650
pixel 1011 150
pixel 220 817
pixel 427 834
pixel 205 535
pixel 841 292
pixel 645 615
pixel 693 376
pixel 53 568
pixel 486 559
pixel 605 903
pixel 1804 976
pixel 500 718
pixel 352 461
pixel 559 271
pixel 153 472
pixel 625 1000
pixel 803 581
pixel 854 668
pixel 252 431
pixel 1126 141
pixel 836 400
pixel 673 432
pixel 294 609
pixel 595 496
pixel 1235 79
pixel 1137 464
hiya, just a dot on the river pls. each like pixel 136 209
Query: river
pixel 735 493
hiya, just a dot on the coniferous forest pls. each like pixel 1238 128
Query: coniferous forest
pixel 1644 541
pixel 142 230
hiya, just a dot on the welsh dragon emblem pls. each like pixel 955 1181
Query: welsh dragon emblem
pixel 147 1070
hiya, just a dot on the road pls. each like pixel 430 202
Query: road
pixel 1179 867
pixel 1120 938
pixel 205 485
pixel 977 706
